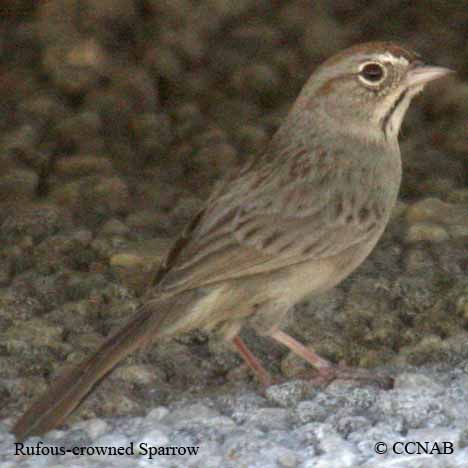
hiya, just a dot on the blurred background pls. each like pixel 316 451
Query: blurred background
pixel 117 116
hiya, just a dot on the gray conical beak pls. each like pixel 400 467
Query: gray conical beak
pixel 422 74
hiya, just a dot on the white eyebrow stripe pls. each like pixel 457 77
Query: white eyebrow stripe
pixel 388 57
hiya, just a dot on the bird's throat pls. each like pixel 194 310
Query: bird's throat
pixel 391 121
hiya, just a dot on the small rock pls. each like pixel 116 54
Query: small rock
pixel 93 427
pixel 75 67
pixel 81 132
pixel 286 394
pixel 114 227
pixel 71 167
pixel 195 412
pixel 148 221
pixel 36 332
pixel 140 374
pixel 271 418
pixel 408 380
pixel 154 438
pixel 158 413
pixel 436 211
pixel 288 459
pixel 426 232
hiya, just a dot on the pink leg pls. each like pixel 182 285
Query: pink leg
pixel 326 370
pixel 314 359
pixel 261 373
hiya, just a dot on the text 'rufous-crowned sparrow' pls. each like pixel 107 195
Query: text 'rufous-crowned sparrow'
pixel 297 219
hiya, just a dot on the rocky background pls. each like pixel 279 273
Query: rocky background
pixel 117 116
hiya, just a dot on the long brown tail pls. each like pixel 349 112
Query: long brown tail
pixel 66 393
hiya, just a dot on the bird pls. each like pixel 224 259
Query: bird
pixel 293 221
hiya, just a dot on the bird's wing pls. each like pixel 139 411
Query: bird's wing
pixel 271 215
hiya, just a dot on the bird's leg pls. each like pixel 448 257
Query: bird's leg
pixel 298 348
pixel 328 371
pixel 262 374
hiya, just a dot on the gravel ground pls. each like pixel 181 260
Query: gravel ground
pixel 117 118
pixel 293 425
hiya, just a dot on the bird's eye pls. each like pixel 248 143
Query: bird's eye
pixel 372 73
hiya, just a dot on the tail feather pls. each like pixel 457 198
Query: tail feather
pixel 66 393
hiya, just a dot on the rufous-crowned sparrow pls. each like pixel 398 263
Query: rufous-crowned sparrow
pixel 297 219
